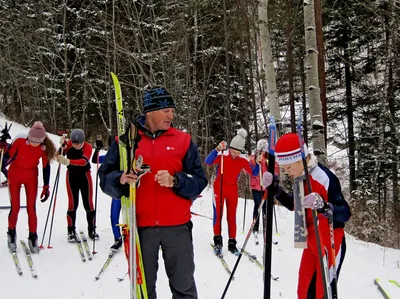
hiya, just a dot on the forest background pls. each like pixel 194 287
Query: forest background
pixel 228 64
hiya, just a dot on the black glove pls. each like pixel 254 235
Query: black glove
pixel 99 144
pixel 4 136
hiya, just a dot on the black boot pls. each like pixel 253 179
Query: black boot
pixel 92 233
pixel 117 245
pixel 71 234
pixel 32 242
pixel 232 246
pixel 11 237
pixel 218 244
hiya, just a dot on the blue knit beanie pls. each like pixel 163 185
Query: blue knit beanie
pixel 157 98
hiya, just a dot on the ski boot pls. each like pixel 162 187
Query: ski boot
pixel 32 242
pixel 11 239
pixel 217 244
pixel 232 247
pixel 71 234
pixel 92 233
pixel 117 245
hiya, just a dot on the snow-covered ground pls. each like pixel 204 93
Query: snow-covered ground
pixel 62 274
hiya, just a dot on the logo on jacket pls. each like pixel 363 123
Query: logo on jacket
pixel 170 148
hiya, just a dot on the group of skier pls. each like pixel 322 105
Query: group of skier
pixel 166 193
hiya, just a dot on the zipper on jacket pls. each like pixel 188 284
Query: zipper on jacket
pixel 155 183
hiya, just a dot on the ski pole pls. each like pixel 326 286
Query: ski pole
pixel 199 215
pixel 51 202
pixel 221 205
pixel 276 222
pixel 243 248
pixel 54 209
pixel 1 161
pixel 95 205
pixel 269 211
pixel 245 204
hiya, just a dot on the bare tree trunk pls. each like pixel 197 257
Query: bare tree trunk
pixel 107 79
pixel 290 66
pixel 392 23
pixel 268 63
pixel 321 62
pixel 67 91
pixel 350 109
pixel 311 70
pixel 227 120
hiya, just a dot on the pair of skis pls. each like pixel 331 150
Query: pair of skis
pixel 251 257
pixel 138 287
pixel 28 259
pixel 83 246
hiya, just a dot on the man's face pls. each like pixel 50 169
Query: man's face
pixel 294 169
pixel 160 119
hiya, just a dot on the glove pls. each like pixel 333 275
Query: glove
pixel 313 201
pixel 45 193
pixel 99 144
pixel 222 146
pixel 327 210
pixel 63 140
pixel 266 179
pixel 62 160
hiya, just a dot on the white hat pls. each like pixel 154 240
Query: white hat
pixel 239 140
pixel 262 145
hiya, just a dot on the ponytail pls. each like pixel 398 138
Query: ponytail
pixel 50 148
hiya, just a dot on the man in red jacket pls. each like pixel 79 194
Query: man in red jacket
pixel 164 196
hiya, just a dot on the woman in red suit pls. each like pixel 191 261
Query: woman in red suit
pixel 25 154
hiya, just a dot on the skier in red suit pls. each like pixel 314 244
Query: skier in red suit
pixel 79 179
pixel 25 154
pixel 288 156
pixel 233 163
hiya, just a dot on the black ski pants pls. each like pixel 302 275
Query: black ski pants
pixel 177 251
pixel 80 182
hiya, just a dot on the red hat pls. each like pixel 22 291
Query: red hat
pixel 287 149
pixel 37 133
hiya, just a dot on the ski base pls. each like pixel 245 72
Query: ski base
pixel 29 259
pixel 16 262
pixel 223 262
pixel 86 245
pixel 106 264
pixel 389 289
pixel 80 248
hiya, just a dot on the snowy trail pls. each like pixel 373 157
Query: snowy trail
pixel 62 274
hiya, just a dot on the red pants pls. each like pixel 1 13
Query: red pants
pixel 310 263
pixel 29 178
pixel 230 195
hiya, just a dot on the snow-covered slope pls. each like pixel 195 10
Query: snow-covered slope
pixel 62 275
